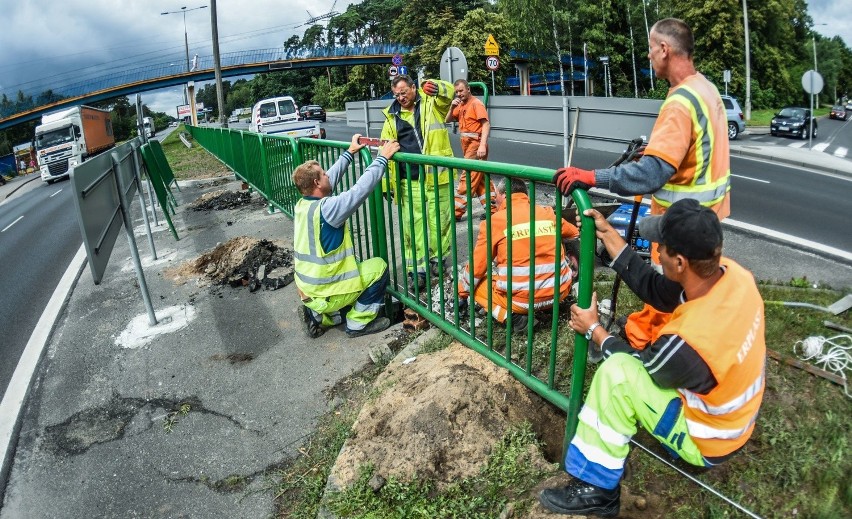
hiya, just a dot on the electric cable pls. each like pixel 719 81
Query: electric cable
pixel 836 358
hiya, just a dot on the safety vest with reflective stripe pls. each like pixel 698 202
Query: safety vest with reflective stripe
pixel 726 328
pixel 705 173
pixel 436 140
pixel 319 273
pixel 541 268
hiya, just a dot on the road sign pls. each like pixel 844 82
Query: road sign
pixel 726 76
pixel 397 59
pixel 453 65
pixel 402 70
pixel 812 82
pixel 393 71
pixel 491 48
pixel 492 63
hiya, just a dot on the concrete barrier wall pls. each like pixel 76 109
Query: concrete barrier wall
pixel 605 124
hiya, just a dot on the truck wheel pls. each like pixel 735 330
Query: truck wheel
pixel 49 182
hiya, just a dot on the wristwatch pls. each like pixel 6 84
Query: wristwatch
pixel 591 330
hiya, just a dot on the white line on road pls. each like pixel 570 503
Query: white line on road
pixel 840 152
pixel 797 144
pixel 54 194
pixel 821 146
pixel 13 223
pixel 16 392
pixel 535 143
pixel 749 178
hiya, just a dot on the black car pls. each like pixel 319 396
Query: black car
pixel 312 112
pixel 839 112
pixel 794 121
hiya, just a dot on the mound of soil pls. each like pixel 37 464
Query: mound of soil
pixel 241 261
pixel 221 199
pixel 439 416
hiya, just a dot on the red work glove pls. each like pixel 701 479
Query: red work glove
pixel 570 178
pixel 430 88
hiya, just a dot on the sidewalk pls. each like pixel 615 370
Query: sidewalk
pixel 94 441
pixel 11 186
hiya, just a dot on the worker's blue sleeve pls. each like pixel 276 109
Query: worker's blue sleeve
pixel 632 178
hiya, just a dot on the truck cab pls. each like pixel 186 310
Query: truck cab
pixel 148 124
pixel 57 148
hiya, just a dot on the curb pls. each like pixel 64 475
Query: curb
pixel 27 181
pixel 744 152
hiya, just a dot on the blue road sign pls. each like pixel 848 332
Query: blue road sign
pixel 403 70
pixel 397 59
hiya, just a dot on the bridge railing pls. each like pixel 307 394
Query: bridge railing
pixel 548 358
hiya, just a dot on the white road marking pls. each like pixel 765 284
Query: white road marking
pixel 750 178
pixel 840 152
pixel 797 144
pixel 54 194
pixel 13 223
pixel 535 143
pixel 821 146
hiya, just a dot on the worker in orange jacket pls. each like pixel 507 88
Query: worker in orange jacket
pixel 542 267
pixel 474 126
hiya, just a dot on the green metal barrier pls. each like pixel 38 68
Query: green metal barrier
pixel 156 165
pixel 266 162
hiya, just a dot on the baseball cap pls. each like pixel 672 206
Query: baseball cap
pixel 687 228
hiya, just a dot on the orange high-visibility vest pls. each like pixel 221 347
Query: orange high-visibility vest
pixel 726 328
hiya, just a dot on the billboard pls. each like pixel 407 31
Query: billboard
pixel 183 110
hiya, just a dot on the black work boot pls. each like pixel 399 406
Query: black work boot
pixel 313 329
pixel 580 498
pixel 519 323
pixel 379 324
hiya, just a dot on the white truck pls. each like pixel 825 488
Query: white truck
pixel 148 124
pixel 66 138
pixel 280 116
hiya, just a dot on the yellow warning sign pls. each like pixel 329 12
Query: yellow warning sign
pixel 491 48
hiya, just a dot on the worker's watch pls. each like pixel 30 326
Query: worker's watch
pixel 591 330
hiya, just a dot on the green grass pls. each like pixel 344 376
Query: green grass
pixel 191 163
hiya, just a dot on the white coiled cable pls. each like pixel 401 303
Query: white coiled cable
pixel 837 357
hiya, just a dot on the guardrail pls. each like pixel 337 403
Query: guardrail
pixel 540 359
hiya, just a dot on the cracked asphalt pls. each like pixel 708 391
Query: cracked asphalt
pixel 191 424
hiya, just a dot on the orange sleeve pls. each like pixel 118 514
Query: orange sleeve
pixel 672 134
pixel 479 111
pixel 569 231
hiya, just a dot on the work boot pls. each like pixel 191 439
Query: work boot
pixel 313 329
pixel 379 324
pixel 581 498
pixel 519 323
pixel 421 281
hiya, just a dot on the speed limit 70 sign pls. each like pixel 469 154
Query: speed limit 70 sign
pixel 492 63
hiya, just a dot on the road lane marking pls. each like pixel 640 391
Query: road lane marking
pixel 54 194
pixel 840 152
pixel 535 143
pixel 750 178
pixel 797 144
pixel 821 146
pixel 16 393
pixel 13 223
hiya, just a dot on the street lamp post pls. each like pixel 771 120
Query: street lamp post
pixel 747 64
pixel 184 10
pixel 813 42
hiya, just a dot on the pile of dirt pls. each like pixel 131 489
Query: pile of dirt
pixel 221 199
pixel 241 261
pixel 439 416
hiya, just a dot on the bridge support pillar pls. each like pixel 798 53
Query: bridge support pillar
pixel 190 89
pixel 524 77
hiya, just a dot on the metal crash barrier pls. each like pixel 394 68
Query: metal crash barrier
pixel 540 358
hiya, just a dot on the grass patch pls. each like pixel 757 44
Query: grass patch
pixel 509 474
pixel 191 163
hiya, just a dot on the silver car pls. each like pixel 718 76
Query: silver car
pixel 736 121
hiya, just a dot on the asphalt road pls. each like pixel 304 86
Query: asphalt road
pixel 802 203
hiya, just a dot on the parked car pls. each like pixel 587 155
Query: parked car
pixel 736 121
pixel 173 124
pixel 234 119
pixel 839 112
pixel 312 112
pixel 792 120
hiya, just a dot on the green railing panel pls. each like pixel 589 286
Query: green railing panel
pixel 267 162
pixel 155 174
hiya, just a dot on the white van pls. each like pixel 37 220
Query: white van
pixel 280 116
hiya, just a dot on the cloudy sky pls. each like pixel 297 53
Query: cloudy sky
pixel 46 41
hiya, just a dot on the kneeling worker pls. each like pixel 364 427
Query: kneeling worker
pixel 541 267
pixel 697 388
pixel 328 277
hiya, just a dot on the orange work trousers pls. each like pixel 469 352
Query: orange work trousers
pixel 477 181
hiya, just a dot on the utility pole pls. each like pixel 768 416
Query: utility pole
pixel 747 63
pixel 217 67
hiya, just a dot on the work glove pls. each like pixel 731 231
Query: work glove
pixel 570 178
pixel 430 88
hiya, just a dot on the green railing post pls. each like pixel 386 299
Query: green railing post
pixel 484 89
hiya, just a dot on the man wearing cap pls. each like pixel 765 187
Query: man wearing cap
pixel 697 387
